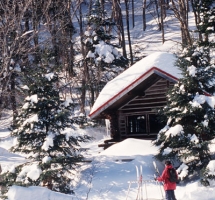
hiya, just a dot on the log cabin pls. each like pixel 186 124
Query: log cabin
pixel 132 99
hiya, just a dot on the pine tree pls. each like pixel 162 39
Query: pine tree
pixel 47 134
pixel 190 105
pixel 103 59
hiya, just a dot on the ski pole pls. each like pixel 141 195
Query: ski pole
pixel 128 190
pixel 158 174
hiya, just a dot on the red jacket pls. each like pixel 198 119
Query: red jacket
pixel 165 178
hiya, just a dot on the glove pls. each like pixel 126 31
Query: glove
pixel 155 178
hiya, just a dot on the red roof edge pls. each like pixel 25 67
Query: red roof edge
pixel 152 69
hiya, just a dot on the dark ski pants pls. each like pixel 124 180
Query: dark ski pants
pixel 170 195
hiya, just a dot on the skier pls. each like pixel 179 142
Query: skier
pixel 169 187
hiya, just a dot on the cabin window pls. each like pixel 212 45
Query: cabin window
pixel 144 124
pixel 154 124
pixel 137 124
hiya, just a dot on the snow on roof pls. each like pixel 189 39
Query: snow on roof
pixel 123 83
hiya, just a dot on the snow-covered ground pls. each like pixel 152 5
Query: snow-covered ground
pixel 108 175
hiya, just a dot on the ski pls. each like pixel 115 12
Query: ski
pixel 138 174
pixel 156 169
pixel 142 193
pixel 139 183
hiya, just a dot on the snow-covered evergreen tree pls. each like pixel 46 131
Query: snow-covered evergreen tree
pixel 47 135
pixel 103 59
pixel 190 105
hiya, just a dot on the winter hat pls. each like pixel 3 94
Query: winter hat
pixel 168 162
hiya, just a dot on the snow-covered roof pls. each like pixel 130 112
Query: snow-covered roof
pixel 161 63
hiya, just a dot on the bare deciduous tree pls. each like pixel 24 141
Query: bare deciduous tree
pixel 15 46
pixel 27 28
pixel 180 9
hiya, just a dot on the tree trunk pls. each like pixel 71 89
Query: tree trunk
pixel 158 15
pixel 119 22
pixel 144 15
pixel 133 21
pixel 128 30
pixel 13 95
pixel 103 8
pixel 180 12
pixel 162 17
pixel 195 7
pixel 85 68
